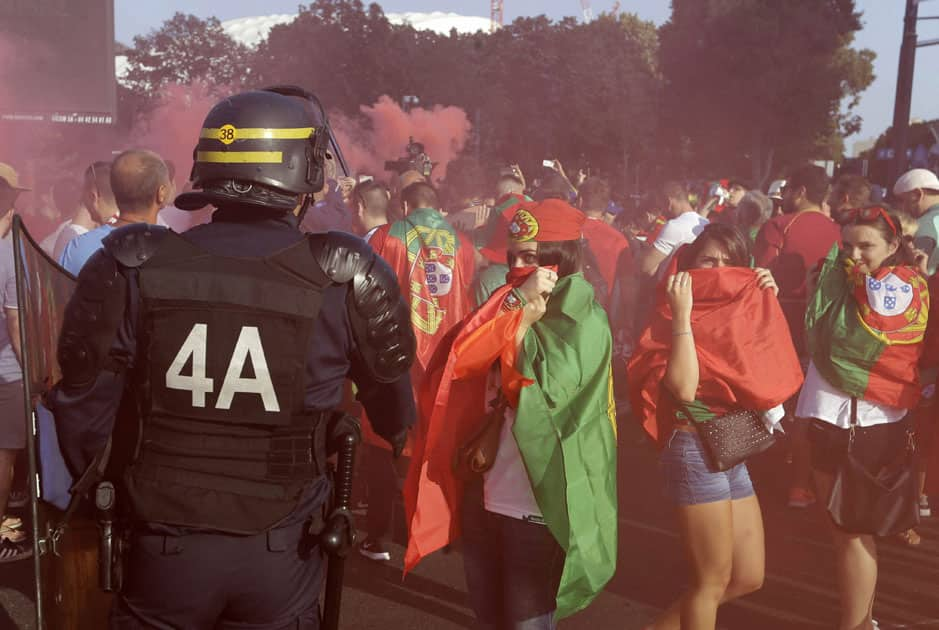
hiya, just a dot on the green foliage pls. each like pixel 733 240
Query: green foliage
pixel 753 82
pixel 186 49
pixel 726 86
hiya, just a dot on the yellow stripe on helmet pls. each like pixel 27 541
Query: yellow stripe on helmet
pixel 240 157
pixel 229 133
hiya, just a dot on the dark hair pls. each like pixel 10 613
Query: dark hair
pixel 904 254
pixel 552 186
pixel 567 256
pixel 855 187
pixel 420 195
pixel 729 238
pixel 811 177
pixel 136 176
pixel 594 195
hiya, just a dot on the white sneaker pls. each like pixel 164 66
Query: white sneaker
pixel 924 509
pixel 374 550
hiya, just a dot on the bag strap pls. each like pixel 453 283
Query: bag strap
pixel 854 424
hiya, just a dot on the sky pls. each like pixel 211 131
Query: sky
pixel 883 24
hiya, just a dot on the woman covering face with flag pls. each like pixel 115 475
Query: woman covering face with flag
pixel 539 527
pixel 718 343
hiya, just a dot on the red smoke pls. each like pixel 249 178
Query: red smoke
pixel 172 129
pixel 384 133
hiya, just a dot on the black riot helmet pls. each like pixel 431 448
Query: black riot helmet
pixel 261 148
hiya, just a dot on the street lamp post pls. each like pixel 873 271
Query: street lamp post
pixel 901 105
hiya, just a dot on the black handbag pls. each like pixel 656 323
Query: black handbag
pixel 882 503
pixel 732 438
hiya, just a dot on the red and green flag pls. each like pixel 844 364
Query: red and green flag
pixel 565 428
pixel 865 331
pixel 746 358
pixel 435 266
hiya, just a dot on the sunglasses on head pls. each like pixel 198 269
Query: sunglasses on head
pixel 869 215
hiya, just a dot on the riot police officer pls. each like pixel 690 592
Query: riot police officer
pixel 208 365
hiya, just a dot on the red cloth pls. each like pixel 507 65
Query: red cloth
pixel 745 354
pixel 451 409
pixel 606 243
pixel 547 221
pixel 498 237
pixel 790 246
pixel 432 316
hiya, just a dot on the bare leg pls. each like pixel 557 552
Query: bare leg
pixel 748 559
pixel 855 567
pixel 801 460
pixel 707 531
pixel 749 564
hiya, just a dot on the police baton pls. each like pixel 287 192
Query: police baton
pixel 338 537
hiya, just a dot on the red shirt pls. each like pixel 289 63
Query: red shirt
pixel 606 243
pixel 790 246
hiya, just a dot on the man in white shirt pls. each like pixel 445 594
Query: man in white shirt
pixel 683 227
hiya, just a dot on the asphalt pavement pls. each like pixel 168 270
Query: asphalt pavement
pixel 799 591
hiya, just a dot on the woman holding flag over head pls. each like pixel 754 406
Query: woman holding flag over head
pixel 717 349
pixel 519 450
pixel 865 329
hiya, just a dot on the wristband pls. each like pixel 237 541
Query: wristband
pixel 679 334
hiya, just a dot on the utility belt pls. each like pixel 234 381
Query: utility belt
pixel 288 457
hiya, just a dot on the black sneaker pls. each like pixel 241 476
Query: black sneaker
pixel 12 551
pixel 374 550
pixel 18 498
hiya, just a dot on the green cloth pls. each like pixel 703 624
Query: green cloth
pixel 929 229
pixel 566 432
pixel 488 280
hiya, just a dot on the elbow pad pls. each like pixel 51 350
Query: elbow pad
pixel 381 321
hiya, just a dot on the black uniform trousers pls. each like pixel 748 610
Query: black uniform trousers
pixel 213 581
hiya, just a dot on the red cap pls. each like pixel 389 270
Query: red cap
pixel 548 220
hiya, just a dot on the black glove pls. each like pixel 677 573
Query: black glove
pixel 398 442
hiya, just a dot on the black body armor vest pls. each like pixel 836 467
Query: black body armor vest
pixel 224 440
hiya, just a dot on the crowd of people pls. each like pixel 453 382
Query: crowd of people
pixel 551 314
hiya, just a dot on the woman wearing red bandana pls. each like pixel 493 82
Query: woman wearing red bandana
pixel 539 527
pixel 717 343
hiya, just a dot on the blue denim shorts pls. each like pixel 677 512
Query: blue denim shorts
pixel 689 481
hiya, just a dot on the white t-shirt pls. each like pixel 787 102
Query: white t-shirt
pixel 506 487
pixel 820 399
pixel 679 231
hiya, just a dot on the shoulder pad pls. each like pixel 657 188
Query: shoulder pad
pixel 92 318
pixel 133 245
pixel 381 321
pixel 342 256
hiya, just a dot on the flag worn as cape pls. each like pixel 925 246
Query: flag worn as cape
pixel 565 429
pixel 865 332
pixel 606 243
pixel 745 353
pixel 435 266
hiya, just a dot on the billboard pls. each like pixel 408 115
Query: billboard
pixel 57 61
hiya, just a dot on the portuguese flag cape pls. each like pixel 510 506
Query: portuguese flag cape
pixel 565 428
pixel 435 266
pixel 865 332
pixel 745 353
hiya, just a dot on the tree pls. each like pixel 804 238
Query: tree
pixel 185 50
pixel 752 83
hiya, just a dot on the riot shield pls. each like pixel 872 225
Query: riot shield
pixel 65 559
